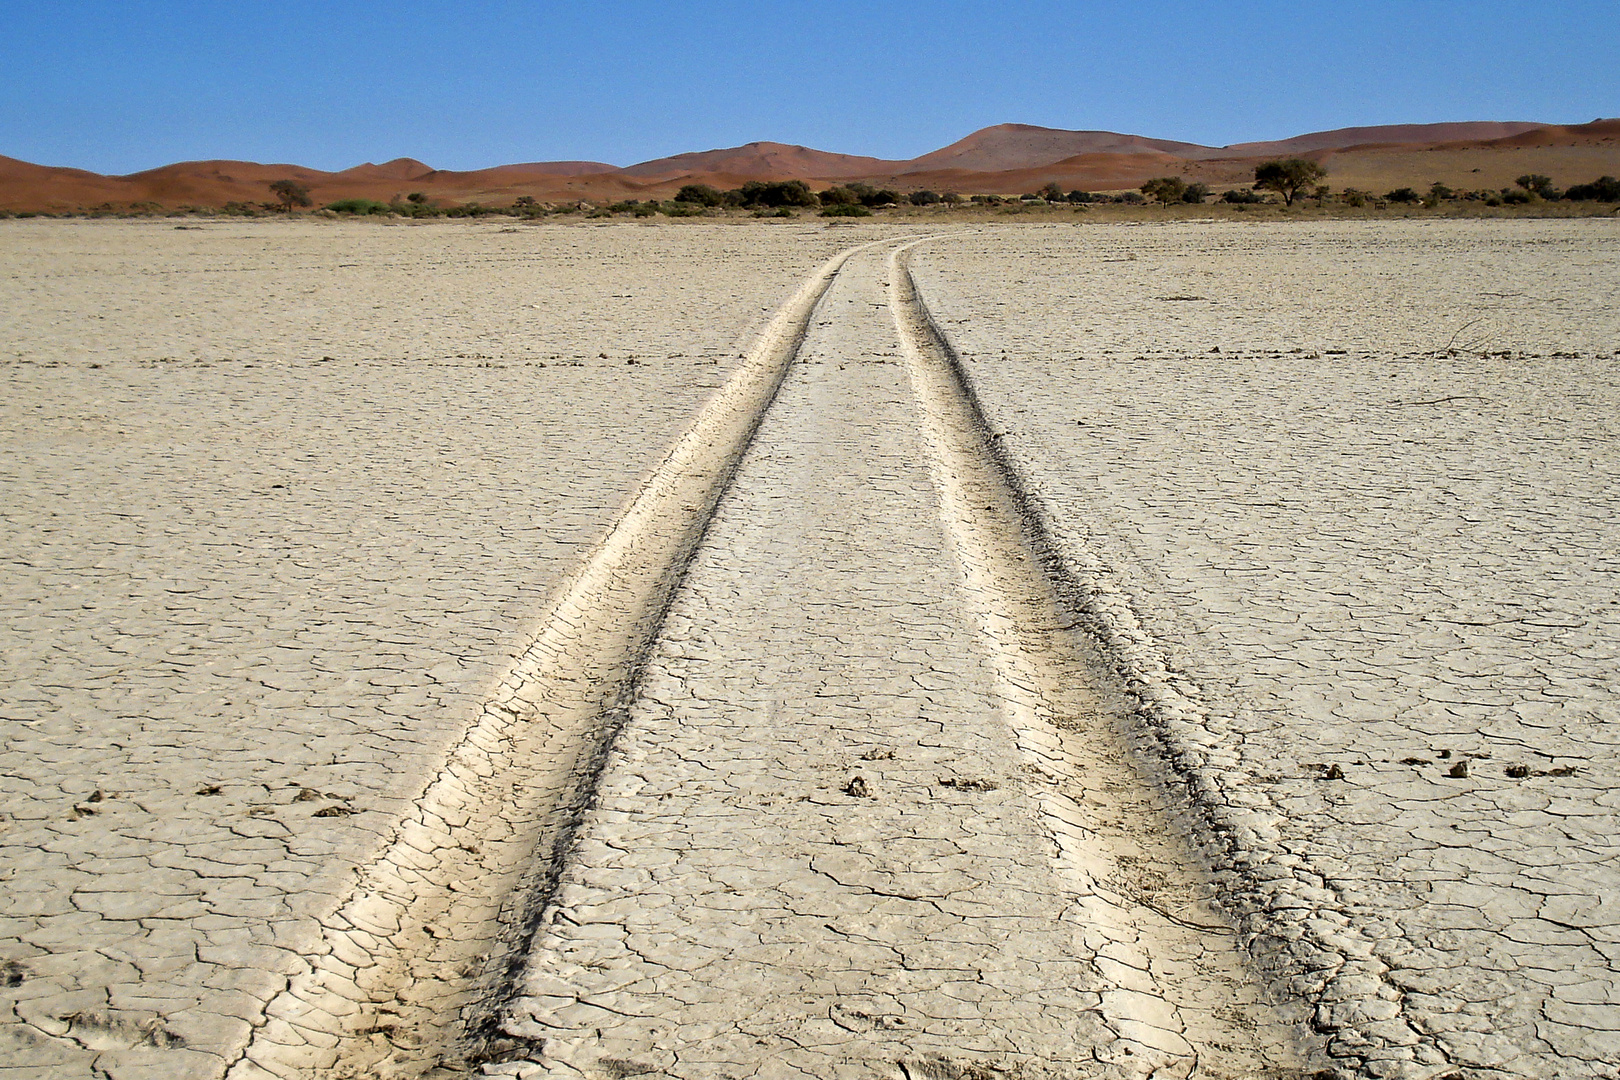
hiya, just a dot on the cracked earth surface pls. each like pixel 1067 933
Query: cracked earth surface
pixel 821 846
pixel 283 505
pixel 253 596
pixel 1365 584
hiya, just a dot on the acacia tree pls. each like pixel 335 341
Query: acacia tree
pixel 290 193
pixel 1287 176
pixel 1536 184
pixel 1166 189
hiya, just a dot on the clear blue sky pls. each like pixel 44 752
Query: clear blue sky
pixel 121 85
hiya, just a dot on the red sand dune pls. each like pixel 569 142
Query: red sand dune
pixel 765 161
pixel 1343 138
pixel 1021 146
pixel 1004 159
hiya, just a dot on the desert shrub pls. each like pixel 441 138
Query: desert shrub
pixel 1195 193
pixel 1133 198
pixel 1517 198
pixel 626 206
pixel 1353 197
pixel 1242 196
pixel 951 198
pixel 241 209
pixel 777 193
pixel 1287 176
pixel 699 194
pixel 646 209
pixel 845 210
pixel 989 200
pixel 1493 200
pixel 357 206
pixel 472 210
pixel 1078 196
pixel 839 196
pixel 1439 192
pixel 923 198
pixel 1402 195
pixel 682 209
pixel 1051 193
pixel 1603 189
pixel 867 195
pixel 779 212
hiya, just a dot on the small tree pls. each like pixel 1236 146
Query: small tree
pixel 1287 176
pixel 1195 193
pixel 290 193
pixel 1051 192
pixel 1166 189
pixel 1536 184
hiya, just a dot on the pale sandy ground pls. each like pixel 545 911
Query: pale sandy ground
pixel 233 564
pixel 251 594
pixel 1387 563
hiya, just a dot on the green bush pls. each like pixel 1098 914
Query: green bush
pixel 1603 189
pixel 1242 197
pixel 1078 196
pixel 1132 198
pixel 1195 193
pixel 839 196
pixel 358 206
pixel 777 193
pixel 867 195
pixel 779 212
pixel 1402 195
pixel 1517 198
pixel 923 198
pixel 701 194
pixel 845 210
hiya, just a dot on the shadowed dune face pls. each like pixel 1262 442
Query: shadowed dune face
pixel 1005 159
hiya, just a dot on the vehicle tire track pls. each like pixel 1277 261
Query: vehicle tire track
pixel 415 962
pixel 1186 997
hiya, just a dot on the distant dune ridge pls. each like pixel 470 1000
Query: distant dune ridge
pixel 1003 159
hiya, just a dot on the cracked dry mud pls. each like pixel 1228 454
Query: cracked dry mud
pixel 844 834
pixel 1041 688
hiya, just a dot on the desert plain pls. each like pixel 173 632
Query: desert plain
pixel 780 648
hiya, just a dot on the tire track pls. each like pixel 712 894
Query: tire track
pixel 1186 1000
pixel 416 961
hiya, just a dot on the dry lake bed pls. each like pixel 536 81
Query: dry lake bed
pixel 781 649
